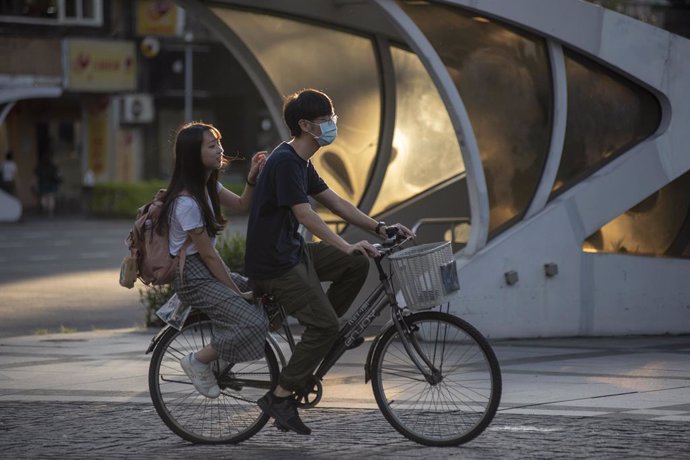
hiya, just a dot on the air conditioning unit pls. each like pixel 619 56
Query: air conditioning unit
pixel 136 108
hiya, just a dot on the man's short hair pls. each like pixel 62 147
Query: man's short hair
pixel 305 104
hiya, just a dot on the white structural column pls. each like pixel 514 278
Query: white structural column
pixel 559 122
pixel 476 182
pixel 588 293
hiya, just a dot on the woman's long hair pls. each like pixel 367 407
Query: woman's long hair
pixel 190 175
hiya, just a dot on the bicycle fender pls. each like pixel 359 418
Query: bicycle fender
pixel 194 317
pixel 156 338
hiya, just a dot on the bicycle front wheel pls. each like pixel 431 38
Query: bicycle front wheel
pixel 232 417
pixel 454 406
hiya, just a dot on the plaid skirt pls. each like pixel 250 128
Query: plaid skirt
pixel 239 328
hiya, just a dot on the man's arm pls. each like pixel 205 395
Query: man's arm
pixel 348 212
pixel 306 216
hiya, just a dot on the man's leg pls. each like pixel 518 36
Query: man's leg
pixel 299 292
pixel 347 273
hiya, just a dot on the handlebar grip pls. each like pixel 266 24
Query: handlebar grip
pixel 392 232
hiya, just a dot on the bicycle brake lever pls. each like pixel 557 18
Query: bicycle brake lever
pixel 389 242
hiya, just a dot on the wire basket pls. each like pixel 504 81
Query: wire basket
pixel 427 274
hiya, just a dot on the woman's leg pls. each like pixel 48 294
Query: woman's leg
pixel 206 354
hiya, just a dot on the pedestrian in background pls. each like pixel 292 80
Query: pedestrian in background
pixel 49 181
pixel 88 183
pixel 9 174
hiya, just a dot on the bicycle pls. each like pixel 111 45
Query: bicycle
pixel 434 376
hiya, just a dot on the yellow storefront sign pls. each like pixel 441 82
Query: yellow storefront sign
pixel 157 17
pixel 100 65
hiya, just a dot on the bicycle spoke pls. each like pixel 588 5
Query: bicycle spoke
pixel 454 405
pixel 233 416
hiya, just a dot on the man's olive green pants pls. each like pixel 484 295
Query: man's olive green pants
pixel 300 292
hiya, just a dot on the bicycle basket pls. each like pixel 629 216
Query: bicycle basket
pixel 427 274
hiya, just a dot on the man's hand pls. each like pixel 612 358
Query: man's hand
pixel 363 247
pixel 248 296
pixel 401 229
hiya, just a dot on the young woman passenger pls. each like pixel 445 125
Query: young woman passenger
pixel 192 212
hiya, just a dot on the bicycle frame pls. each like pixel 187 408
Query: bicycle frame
pixel 383 295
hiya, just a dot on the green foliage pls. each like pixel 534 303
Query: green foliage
pixel 119 199
pixel 115 199
pixel 153 297
pixel 231 250
pixel 234 187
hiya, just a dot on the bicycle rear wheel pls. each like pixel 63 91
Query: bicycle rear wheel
pixel 232 417
pixel 445 411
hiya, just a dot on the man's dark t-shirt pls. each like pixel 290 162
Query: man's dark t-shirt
pixel 274 245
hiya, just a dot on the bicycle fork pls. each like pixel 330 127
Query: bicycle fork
pixel 409 341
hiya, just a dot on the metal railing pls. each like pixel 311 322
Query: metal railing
pixel 453 221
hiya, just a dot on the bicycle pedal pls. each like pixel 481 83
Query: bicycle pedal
pixel 231 383
pixel 235 386
pixel 280 427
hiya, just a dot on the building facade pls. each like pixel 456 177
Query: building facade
pixel 101 85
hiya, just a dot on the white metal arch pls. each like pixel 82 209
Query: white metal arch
pixel 476 181
pixel 558 124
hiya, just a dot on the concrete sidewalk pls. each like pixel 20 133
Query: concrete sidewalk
pixel 570 398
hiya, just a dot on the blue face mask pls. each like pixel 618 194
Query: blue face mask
pixel 329 130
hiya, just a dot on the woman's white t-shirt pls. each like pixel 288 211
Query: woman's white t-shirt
pixel 186 216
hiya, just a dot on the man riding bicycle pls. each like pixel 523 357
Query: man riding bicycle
pixel 280 263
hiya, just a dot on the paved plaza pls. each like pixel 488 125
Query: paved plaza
pixel 84 395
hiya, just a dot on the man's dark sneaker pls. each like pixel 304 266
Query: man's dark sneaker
pixel 280 427
pixel 355 343
pixel 284 411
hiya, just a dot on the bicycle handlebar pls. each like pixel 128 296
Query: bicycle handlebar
pixel 392 243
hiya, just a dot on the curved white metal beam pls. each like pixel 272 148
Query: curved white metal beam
pixel 559 121
pixel 5 110
pixel 245 57
pixel 476 181
pixel 17 94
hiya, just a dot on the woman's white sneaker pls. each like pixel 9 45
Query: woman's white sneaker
pixel 201 376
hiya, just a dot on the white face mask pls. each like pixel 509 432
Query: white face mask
pixel 329 131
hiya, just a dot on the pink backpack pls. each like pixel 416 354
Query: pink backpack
pixel 149 258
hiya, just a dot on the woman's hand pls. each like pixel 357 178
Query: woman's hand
pixel 258 162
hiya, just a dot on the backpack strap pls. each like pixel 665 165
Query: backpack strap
pixel 182 256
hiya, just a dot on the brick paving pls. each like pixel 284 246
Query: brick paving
pixel 84 395
pixel 126 430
